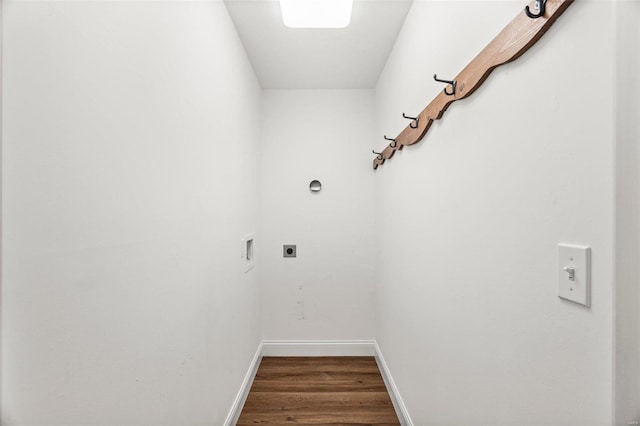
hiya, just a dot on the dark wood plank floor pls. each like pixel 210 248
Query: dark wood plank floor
pixel 318 391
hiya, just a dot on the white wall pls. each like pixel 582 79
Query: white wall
pixel 130 175
pixel 327 291
pixel 1 32
pixel 469 220
pixel 627 390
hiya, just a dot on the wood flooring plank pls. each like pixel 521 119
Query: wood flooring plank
pixel 312 418
pixel 328 408
pixel 336 364
pixel 294 400
pixel 315 375
pixel 334 386
pixel 272 422
pixel 315 410
pixel 318 391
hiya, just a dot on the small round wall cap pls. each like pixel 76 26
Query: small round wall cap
pixel 315 186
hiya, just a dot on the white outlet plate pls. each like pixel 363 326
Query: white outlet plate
pixel 578 258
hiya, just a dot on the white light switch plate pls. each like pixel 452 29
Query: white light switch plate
pixel 578 259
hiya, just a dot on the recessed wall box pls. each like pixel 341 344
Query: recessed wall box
pixel 315 186
pixel 289 250
pixel 248 252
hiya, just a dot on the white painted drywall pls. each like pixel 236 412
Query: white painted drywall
pixel 627 302
pixel 469 220
pixel 327 291
pixel 1 32
pixel 316 58
pixel 130 175
pixel 636 230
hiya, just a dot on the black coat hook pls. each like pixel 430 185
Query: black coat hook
pixel 393 141
pixel 415 120
pixel 379 154
pixel 452 83
pixel 540 5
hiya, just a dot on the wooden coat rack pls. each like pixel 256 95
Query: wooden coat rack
pixel 515 39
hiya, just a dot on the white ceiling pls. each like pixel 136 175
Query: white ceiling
pixel 348 58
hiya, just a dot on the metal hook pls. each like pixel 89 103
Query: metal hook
pixel 415 119
pixel 379 154
pixel 392 145
pixel 540 6
pixel 452 83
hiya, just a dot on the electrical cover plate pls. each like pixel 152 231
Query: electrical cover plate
pixel 574 261
pixel 247 252
pixel 289 250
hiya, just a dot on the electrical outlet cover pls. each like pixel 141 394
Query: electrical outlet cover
pixel 289 250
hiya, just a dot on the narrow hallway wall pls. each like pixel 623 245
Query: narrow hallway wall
pixel 1 178
pixel 327 291
pixel 627 291
pixel 469 220
pixel 130 175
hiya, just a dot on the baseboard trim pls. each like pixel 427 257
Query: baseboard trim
pixel 396 399
pixel 241 397
pixel 318 347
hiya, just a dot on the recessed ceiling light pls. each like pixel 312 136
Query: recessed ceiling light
pixel 316 13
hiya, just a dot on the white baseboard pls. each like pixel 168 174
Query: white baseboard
pixel 396 399
pixel 318 347
pixel 241 397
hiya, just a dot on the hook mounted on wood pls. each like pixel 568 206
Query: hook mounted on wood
pixel 393 142
pixel 540 6
pixel 414 124
pixel 379 154
pixel 452 83
pixel 515 39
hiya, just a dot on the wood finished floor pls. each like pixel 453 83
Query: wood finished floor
pixel 318 391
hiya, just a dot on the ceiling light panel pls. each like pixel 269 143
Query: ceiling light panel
pixel 316 13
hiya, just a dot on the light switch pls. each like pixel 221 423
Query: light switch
pixel 574 273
